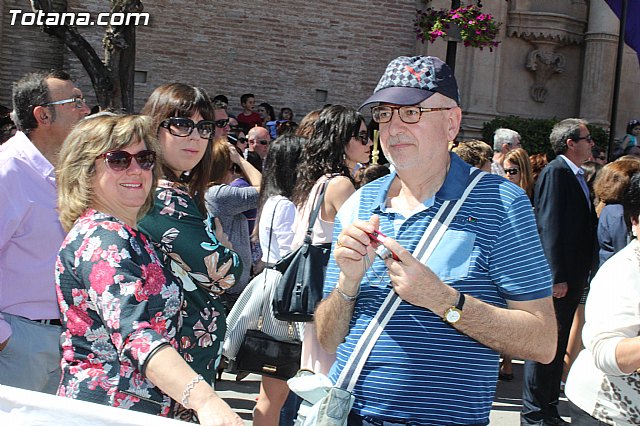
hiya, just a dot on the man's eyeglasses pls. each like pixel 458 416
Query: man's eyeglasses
pixel 408 114
pixel 79 102
pixel 121 160
pixel 182 127
pixel 588 138
pixel 363 137
pixel 512 171
pixel 261 141
pixel 221 123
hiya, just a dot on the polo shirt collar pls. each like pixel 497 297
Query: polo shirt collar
pixel 453 187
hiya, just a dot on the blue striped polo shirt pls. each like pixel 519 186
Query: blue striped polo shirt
pixel 422 370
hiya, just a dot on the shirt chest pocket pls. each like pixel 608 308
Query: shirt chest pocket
pixel 451 259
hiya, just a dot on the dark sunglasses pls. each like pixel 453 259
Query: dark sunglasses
pixel 261 142
pixel 221 123
pixel 363 137
pixel 121 160
pixel 512 171
pixel 243 140
pixel 182 127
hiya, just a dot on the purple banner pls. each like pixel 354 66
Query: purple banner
pixel 632 27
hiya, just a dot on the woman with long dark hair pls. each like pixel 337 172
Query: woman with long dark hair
pixel 339 141
pixel 197 255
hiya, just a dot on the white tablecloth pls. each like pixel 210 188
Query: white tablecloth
pixel 19 407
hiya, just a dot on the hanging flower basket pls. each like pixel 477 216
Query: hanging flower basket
pixel 476 29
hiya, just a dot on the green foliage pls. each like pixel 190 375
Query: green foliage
pixel 535 133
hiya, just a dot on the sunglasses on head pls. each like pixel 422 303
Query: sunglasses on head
pixel 121 160
pixel 512 171
pixel 363 137
pixel 182 127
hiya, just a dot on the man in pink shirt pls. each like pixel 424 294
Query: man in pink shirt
pixel 46 106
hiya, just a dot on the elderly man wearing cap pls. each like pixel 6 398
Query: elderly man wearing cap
pixel 485 289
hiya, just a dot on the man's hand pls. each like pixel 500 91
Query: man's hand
pixel 560 290
pixel 352 246
pixel 4 344
pixel 415 282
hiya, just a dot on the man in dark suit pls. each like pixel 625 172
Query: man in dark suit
pixel 567 225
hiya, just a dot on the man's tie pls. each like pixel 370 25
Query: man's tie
pixel 585 188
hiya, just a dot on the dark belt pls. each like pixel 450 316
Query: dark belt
pixel 49 321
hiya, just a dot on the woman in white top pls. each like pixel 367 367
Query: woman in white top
pixel 339 141
pixel 603 386
pixel 275 228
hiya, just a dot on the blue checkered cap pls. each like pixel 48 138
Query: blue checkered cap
pixel 410 80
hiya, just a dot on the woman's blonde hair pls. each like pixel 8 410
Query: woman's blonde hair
pixel 520 158
pixel 90 138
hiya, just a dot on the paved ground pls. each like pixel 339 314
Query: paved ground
pixel 506 408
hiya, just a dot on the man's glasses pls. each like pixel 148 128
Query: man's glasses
pixel 79 102
pixel 588 138
pixel 182 127
pixel 261 141
pixel 363 137
pixel 121 160
pixel 408 114
pixel 512 171
pixel 221 123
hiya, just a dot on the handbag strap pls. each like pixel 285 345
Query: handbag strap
pixel 292 327
pixel 260 318
pixel 316 211
pixel 434 232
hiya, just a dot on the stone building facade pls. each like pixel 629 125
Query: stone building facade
pixel 556 58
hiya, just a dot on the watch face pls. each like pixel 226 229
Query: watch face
pixel 453 315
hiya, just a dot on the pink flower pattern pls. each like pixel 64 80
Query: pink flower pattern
pixel 114 297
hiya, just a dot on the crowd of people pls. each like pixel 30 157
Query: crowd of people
pixel 126 241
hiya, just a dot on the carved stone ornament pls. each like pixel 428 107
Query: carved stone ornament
pixel 544 62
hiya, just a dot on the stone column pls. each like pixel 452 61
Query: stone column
pixel 601 42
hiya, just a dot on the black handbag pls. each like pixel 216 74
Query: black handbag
pixel 301 287
pixel 262 353
pixel 268 356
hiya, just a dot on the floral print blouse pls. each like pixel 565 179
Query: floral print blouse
pixel 118 307
pixel 205 268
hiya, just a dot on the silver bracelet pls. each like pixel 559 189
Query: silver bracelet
pixel 345 296
pixel 187 390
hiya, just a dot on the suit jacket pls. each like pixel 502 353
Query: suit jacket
pixel 566 224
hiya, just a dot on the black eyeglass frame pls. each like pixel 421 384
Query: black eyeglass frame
pixel 375 112
pixel 512 171
pixel 363 137
pixel 169 122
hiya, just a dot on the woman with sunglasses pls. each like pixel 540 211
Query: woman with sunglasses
pixel 339 141
pixel 198 256
pixel 517 169
pixel 120 307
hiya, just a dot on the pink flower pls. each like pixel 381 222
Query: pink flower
pixel 154 278
pixel 140 346
pixel 101 276
pixel 78 321
pixel 139 292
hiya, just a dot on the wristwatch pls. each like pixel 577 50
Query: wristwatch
pixel 454 313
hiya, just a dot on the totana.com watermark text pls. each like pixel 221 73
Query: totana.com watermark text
pixel 19 17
